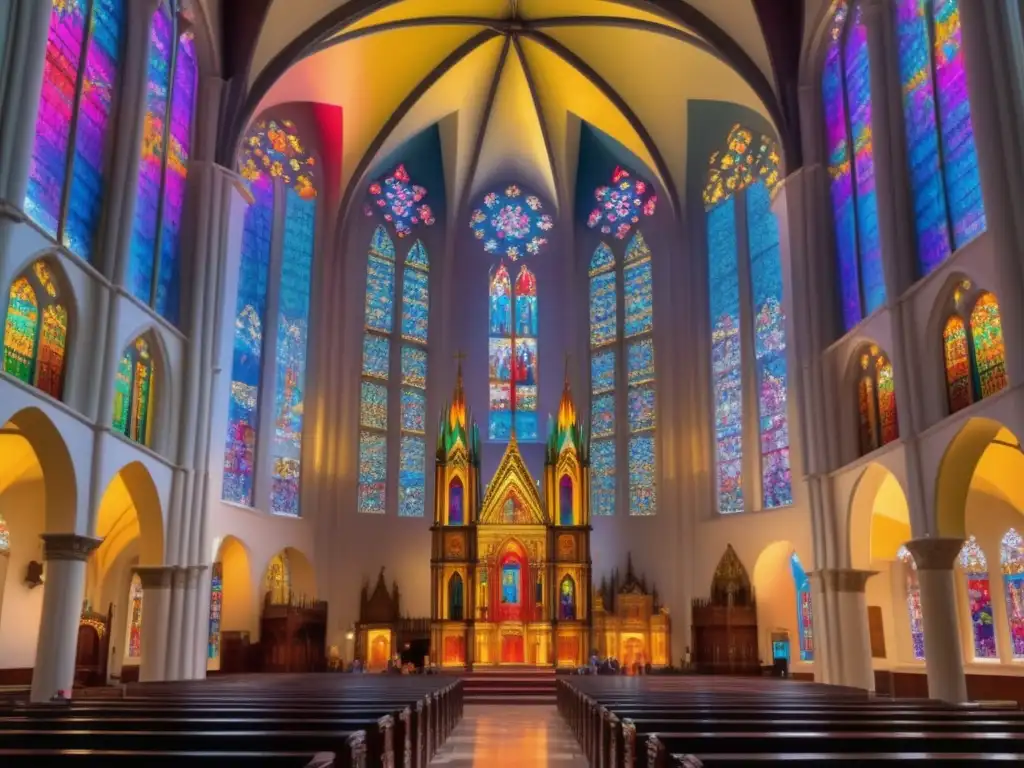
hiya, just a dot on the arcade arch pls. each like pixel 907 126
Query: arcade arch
pixel 784 606
pixel 238 608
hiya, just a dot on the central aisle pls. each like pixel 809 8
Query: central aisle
pixel 520 736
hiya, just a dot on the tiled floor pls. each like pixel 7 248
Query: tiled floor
pixel 519 736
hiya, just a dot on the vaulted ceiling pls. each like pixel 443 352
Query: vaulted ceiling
pixel 508 78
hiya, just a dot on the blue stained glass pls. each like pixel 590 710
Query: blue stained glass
pixel 417 256
pixel 769 347
pixel 620 204
pixel 639 294
pixel 922 136
pixel 640 407
pixel 415 305
pixel 602 477
pixel 858 93
pixel 414 367
pixel 602 259
pixel 723 277
pixel 373 405
pixel 412 479
pixel 804 614
pixel 376 355
pixel 960 159
pixel 511 223
pixel 602 371
pixel 640 361
pixel 642 490
pixel 414 410
pixel 373 471
pixel 603 310
pixel 93 143
pixel 602 415
pixel 246 366
pixel 292 332
pixel 400 202
pixel 382 244
pixel 380 294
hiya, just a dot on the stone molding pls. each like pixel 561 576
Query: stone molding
pixel 844 579
pixel 935 554
pixel 192 574
pixel 68 546
pixel 155 576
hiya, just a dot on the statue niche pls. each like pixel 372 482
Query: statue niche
pixel 725 625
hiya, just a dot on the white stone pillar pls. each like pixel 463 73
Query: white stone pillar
pixel 156 613
pixel 65 555
pixel 943 656
pixel 847 586
pixel 5 561
pixel 198 632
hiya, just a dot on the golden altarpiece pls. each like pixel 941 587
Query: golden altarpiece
pixel 630 623
pixel 510 568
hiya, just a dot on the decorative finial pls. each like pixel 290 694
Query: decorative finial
pixel 457 412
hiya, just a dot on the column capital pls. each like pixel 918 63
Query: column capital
pixel 935 554
pixel 192 574
pixel 68 546
pixel 844 579
pixel 155 576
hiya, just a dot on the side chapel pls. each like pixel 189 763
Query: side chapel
pixel 510 569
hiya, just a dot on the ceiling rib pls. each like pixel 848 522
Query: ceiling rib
pixel 617 101
pixel 408 102
pixel 497 25
pixel 535 98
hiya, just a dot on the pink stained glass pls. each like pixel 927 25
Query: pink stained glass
pixel 974 564
pixel 48 170
pixel 400 202
pixel 1011 559
pixel 620 204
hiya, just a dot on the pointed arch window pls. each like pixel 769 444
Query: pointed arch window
pixel 134 641
pixel 5 536
pixel 154 261
pixel 876 401
pixel 948 208
pixel 846 96
pixel 73 142
pixel 134 388
pixel 263 445
pixel 979 598
pixel 973 348
pixel 804 616
pixel 748 325
pixel 912 589
pixel 1011 558
pixel 604 354
pixel 36 330
pixel 382 387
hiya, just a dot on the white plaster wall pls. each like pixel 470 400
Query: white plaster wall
pixel 21 505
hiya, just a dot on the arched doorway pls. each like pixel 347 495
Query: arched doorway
pixel 234 620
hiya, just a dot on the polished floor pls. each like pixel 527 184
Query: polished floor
pixel 520 736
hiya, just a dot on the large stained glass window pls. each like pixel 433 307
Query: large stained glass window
pixel 133 644
pixel 804 616
pixel 943 164
pixel 876 401
pixel 638 327
pixel 247 354
pixel 511 223
pixel 512 353
pixel 973 348
pixel 133 392
pixel 1011 559
pixel 748 171
pixel 216 603
pixel 153 267
pixel 412 450
pixel 35 332
pixel 604 333
pixel 73 142
pixel 913 593
pixel 846 95
pixel 979 599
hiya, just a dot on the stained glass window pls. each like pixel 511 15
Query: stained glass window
pixel 621 203
pixel 5 536
pixel 21 330
pixel 72 148
pixel 216 603
pixel 724 293
pixel 273 148
pixel 1011 558
pixel 642 490
pixel 979 598
pixel 958 364
pixel 975 361
pixel 638 287
pixel 163 167
pixel 602 477
pixel 741 163
pixel 415 293
pixel 804 616
pixel 846 93
pixel 247 354
pixel 769 347
pixel 989 351
pixel 876 396
pixel 603 359
pixel 913 592
pixel 512 353
pixel 603 297
pixel 133 392
pixel 511 223
pixel 373 464
pixel 413 417
pixel 134 643
pixel 412 479
pixel 35 332
pixel 400 202
pixel 298 243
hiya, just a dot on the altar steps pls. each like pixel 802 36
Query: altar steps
pixel 510 685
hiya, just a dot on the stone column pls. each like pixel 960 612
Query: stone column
pixel 943 657
pixel 5 561
pixel 65 555
pixel 156 612
pixel 847 587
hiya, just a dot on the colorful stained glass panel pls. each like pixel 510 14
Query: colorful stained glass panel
pixel 640 361
pixel 889 424
pixel 958 364
pixel 989 351
pixel 602 477
pixel 642 490
pixel 380 294
pixel 602 371
pixel 373 463
pixel 1012 561
pixel 602 415
pixel 216 603
pixel 21 330
pixel 415 305
pixel 414 411
pixel 400 202
pixel 804 615
pixel 640 408
pixel 511 223
pixel 603 311
pixel 621 204
pixel 414 367
pixel 376 356
pixel 979 598
pixel 411 477
pixel 373 406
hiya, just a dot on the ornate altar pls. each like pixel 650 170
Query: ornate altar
pixel 630 623
pixel 293 635
pixel 381 631
pixel 725 625
pixel 93 651
pixel 511 570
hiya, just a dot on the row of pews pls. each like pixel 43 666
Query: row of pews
pixel 719 721
pixel 347 721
